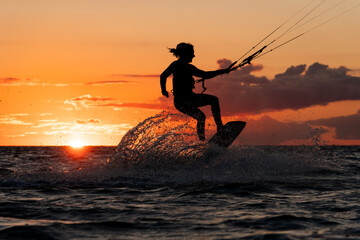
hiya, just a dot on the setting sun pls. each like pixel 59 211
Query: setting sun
pixel 77 143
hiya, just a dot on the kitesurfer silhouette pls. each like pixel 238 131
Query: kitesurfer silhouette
pixel 185 100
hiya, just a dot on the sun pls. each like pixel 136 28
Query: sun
pixel 76 143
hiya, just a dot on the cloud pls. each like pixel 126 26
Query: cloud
pixel 90 98
pixel 243 74
pixel 89 121
pixel 103 83
pixel 355 72
pixel 89 127
pixel 13 119
pixel 47 120
pixel 137 75
pixel 298 87
pixel 87 101
pixel 160 104
pixel 15 135
pixel 52 123
pixel 66 128
pixel 346 127
pixel 11 81
pixel 19 114
pixel 45 114
pixel 152 106
pixel 292 71
pixel 20 135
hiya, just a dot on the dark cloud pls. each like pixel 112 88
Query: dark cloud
pixel 296 88
pixel 355 71
pixel 101 83
pixel 9 80
pixel 17 81
pixel 346 127
pixel 292 71
pixel 12 81
pixel 243 74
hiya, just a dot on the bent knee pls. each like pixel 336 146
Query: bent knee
pixel 214 99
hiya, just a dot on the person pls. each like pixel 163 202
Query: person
pixel 185 100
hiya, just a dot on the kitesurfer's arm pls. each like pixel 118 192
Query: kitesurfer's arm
pixel 163 78
pixel 208 74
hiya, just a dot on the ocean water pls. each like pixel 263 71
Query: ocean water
pixel 160 183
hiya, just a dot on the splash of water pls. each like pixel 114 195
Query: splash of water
pixel 163 139
pixel 166 144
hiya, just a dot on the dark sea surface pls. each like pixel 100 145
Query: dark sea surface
pixel 155 186
pixel 263 193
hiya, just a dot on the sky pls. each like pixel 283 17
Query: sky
pixel 87 71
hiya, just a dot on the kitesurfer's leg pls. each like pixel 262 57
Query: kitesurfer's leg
pixel 200 118
pixel 206 99
pixel 195 113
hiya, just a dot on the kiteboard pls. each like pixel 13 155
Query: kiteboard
pixel 227 134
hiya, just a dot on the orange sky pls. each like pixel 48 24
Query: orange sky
pixel 87 69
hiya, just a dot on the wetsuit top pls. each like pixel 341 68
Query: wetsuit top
pixel 183 81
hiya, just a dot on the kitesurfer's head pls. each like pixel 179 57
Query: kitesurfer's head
pixel 183 51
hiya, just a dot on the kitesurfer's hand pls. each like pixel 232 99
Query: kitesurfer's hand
pixel 165 93
pixel 226 70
